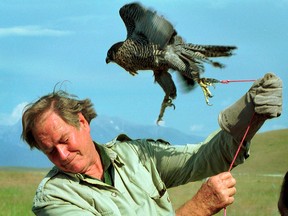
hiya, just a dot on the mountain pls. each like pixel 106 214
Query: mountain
pixel 14 152
pixel 104 129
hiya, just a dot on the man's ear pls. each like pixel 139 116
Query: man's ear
pixel 82 121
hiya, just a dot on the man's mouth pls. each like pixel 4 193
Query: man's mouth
pixel 69 160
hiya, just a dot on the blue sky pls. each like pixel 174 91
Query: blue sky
pixel 46 42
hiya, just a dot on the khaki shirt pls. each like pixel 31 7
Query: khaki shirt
pixel 142 172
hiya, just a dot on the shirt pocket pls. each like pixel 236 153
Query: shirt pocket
pixel 149 182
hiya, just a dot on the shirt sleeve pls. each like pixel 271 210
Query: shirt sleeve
pixel 179 165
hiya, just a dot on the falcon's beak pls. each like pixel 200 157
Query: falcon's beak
pixel 108 60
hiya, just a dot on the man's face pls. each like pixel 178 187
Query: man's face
pixel 71 149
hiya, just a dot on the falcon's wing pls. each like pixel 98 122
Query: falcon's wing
pixel 140 22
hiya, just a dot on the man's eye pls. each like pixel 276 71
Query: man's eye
pixel 52 151
pixel 64 141
pixel 49 152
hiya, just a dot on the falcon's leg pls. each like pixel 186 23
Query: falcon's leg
pixel 204 84
pixel 164 79
pixel 167 102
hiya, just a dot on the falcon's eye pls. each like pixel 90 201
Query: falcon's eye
pixel 110 54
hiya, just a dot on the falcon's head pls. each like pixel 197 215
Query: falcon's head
pixel 111 54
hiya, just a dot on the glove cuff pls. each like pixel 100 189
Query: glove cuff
pixel 236 118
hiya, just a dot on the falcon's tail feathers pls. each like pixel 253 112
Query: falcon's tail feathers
pixel 211 50
pixel 195 58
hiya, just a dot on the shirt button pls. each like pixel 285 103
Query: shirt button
pixel 114 194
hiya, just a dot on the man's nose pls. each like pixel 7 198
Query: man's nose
pixel 62 152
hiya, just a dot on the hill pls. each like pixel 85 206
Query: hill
pixel 268 154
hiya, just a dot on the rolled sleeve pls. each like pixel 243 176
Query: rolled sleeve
pixel 179 165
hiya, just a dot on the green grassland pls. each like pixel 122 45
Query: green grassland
pixel 258 181
pixel 17 189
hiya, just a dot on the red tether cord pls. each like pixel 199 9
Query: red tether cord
pixel 238 150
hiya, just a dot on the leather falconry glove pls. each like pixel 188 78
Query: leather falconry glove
pixel 264 98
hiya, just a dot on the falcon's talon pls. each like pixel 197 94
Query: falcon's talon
pixel 208 103
pixel 174 107
pixel 204 84
pixel 167 102
pixel 170 104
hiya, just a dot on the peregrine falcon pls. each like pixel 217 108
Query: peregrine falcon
pixel 152 43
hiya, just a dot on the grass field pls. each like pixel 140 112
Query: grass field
pixel 258 181
pixel 17 190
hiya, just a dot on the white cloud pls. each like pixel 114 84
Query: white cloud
pixel 196 128
pixel 31 30
pixel 14 117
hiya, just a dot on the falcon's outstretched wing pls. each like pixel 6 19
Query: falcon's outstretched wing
pixel 141 22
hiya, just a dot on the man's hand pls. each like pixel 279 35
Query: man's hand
pixel 267 95
pixel 215 194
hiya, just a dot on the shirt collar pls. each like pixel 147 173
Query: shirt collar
pixel 105 159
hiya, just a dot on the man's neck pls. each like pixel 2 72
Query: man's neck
pixel 96 169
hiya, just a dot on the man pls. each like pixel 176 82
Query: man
pixel 283 199
pixel 131 177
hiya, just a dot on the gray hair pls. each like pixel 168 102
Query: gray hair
pixel 63 104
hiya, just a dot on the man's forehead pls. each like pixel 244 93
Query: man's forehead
pixel 47 123
pixel 43 117
pixel 47 129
